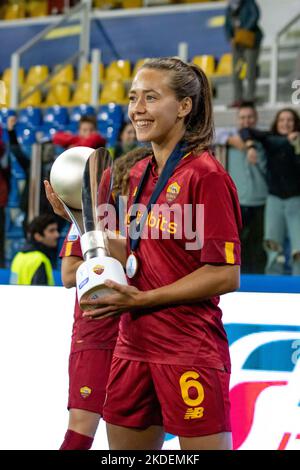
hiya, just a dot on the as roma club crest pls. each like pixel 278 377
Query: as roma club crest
pixel 85 392
pixel 98 269
pixel 172 191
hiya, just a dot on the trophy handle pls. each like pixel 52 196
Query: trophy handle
pixel 75 216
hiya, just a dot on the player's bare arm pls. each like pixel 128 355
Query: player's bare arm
pixel 204 283
pixel 69 266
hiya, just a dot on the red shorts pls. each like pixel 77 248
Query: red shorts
pixel 188 401
pixel 88 375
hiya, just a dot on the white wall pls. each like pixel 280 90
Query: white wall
pixel 35 326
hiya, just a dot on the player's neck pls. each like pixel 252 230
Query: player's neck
pixel 163 150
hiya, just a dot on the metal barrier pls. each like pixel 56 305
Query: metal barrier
pixel 84 12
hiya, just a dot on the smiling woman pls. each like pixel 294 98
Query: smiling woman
pixel 171 342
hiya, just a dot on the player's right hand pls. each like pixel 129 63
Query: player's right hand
pixel 55 202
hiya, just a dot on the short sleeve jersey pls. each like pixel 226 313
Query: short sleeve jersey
pixel 202 194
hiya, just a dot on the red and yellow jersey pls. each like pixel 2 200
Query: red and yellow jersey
pixel 201 195
pixel 88 334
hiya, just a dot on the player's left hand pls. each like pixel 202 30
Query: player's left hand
pixel 125 298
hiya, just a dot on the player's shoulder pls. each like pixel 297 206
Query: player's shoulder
pixel 139 167
pixel 205 164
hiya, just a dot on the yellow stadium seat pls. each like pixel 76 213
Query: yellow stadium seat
pixel 82 94
pixel 36 74
pixel 66 75
pixel 86 73
pixel 33 100
pixel 137 66
pixel 224 67
pixel 118 70
pixel 113 92
pixel 206 63
pixel 15 10
pixel 58 94
pixel 7 76
pixel 132 3
pixel 37 8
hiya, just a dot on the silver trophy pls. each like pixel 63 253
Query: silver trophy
pixel 78 171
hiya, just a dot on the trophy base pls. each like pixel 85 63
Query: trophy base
pixel 92 274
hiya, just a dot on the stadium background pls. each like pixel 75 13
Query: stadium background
pixel 33 382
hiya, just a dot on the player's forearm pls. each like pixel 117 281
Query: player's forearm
pixel 68 272
pixel 204 283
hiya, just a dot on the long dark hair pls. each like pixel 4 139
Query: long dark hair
pixel 188 80
pixel 286 110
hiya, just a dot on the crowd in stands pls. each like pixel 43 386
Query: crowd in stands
pixel 264 164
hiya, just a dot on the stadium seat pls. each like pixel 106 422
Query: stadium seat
pixel 56 116
pixel 113 92
pixel 32 100
pixel 224 67
pixel 30 117
pixel 206 63
pixel 138 65
pixel 37 8
pixel 58 94
pixel 86 73
pixel 111 112
pixel 118 70
pixel 36 75
pixel 82 110
pixel 82 94
pixel 132 3
pixel 14 10
pixel 26 137
pixel 4 113
pixel 7 76
pixel 65 75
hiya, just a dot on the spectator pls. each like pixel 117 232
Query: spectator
pixel 33 264
pixel 248 171
pixel 126 141
pixel 3 200
pixel 87 135
pixel 242 30
pixel 282 146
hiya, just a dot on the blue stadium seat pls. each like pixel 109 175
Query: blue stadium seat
pixel 4 113
pixel 31 117
pixel 56 116
pixel 47 130
pixel 26 135
pixel 82 110
pixel 111 111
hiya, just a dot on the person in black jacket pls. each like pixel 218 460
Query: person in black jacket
pixel 282 219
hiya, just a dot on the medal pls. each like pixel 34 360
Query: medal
pixel 131 265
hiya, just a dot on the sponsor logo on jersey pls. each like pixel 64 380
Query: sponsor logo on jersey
pixel 172 191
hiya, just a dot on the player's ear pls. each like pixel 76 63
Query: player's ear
pixel 185 107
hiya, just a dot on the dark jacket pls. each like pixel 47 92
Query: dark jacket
pixel 247 16
pixel 283 164
pixel 4 176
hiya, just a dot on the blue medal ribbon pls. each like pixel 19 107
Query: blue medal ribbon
pixel 177 154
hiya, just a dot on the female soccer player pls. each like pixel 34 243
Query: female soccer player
pixel 92 342
pixel 171 367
